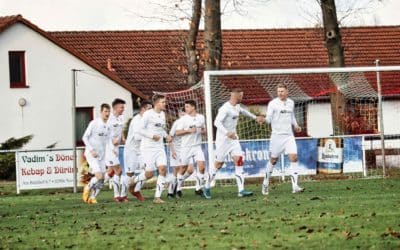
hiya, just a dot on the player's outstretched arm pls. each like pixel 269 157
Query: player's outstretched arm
pixel 260 119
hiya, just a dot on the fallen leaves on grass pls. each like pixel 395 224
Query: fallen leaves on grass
pixel 309 230
pixel 224 231
pixel 348 235
pixel 390 231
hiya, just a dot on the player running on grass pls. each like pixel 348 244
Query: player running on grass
pixel 116 123
pixel 227 141
pixel 280 114
pixel 152 151
pixel 132 151
pixel 96 136
pixel 175 159
pixel 191 128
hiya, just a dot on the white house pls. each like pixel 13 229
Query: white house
pixel 36 86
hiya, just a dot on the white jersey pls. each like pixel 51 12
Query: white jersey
pixel 116 125
pixel 281 116
pixel 132 142
pixel 188 122
pixel 153 123
pixel 227 119
pixel 96 136
pixel 176 141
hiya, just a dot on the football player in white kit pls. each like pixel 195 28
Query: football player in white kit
pixel 192 128
pixel 116 123
pixel 175 160
pixel 96 136
pixel 227 141
pixel 152 151
pixel 132 151
pixel 280 114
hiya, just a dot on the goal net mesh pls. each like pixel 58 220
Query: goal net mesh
pixel 339 113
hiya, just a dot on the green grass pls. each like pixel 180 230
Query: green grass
pixel 340 214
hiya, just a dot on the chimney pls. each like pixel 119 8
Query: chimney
pixel 109 65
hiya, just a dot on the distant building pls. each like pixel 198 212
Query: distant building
pixel 36 86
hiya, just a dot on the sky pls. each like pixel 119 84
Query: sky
pixel 55 15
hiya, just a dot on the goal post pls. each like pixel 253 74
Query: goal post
pixel 370 96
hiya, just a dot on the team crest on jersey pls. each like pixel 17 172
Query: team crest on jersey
pixel 234 117
pixel 284 111
pixel 158 125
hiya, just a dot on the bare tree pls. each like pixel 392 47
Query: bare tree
pixel 192 54
pixel 349 12
pixel 212 34
pixel 333 44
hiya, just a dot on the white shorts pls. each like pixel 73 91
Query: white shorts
pixel 131 161
pixel 192 154
pixel 153 159
pixel 231 147
pixel 282 144
pixel 175 162
pixel 95 165
pixel 112 158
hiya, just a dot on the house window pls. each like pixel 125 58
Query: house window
pixel 83 117
pixel 16 61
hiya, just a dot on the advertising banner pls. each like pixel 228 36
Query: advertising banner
pixel 45 169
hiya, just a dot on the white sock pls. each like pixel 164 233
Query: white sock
pixel 106 178
pixel 139 178
pixel 160 186
pixel 211 176
pixel 239 178
pixel 293 174
pixel 97 188
pixel 199 180
pixel 172 185
pixel 124 185
pixel 268 174
pixel 116 185
pixel 138 186
pixel 181 180
pixel 92 182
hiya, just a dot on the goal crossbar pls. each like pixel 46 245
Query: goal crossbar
pixel 230 72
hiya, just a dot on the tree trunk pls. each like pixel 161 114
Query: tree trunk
pixel 212 34
pixel 190 43
pixel 333 43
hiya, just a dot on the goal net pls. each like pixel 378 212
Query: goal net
pixel 348 118
pixel 175 105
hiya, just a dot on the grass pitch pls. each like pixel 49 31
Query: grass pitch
pixel 340 214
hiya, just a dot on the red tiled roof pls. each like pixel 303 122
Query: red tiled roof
pixel 155 61
pixel 7 21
